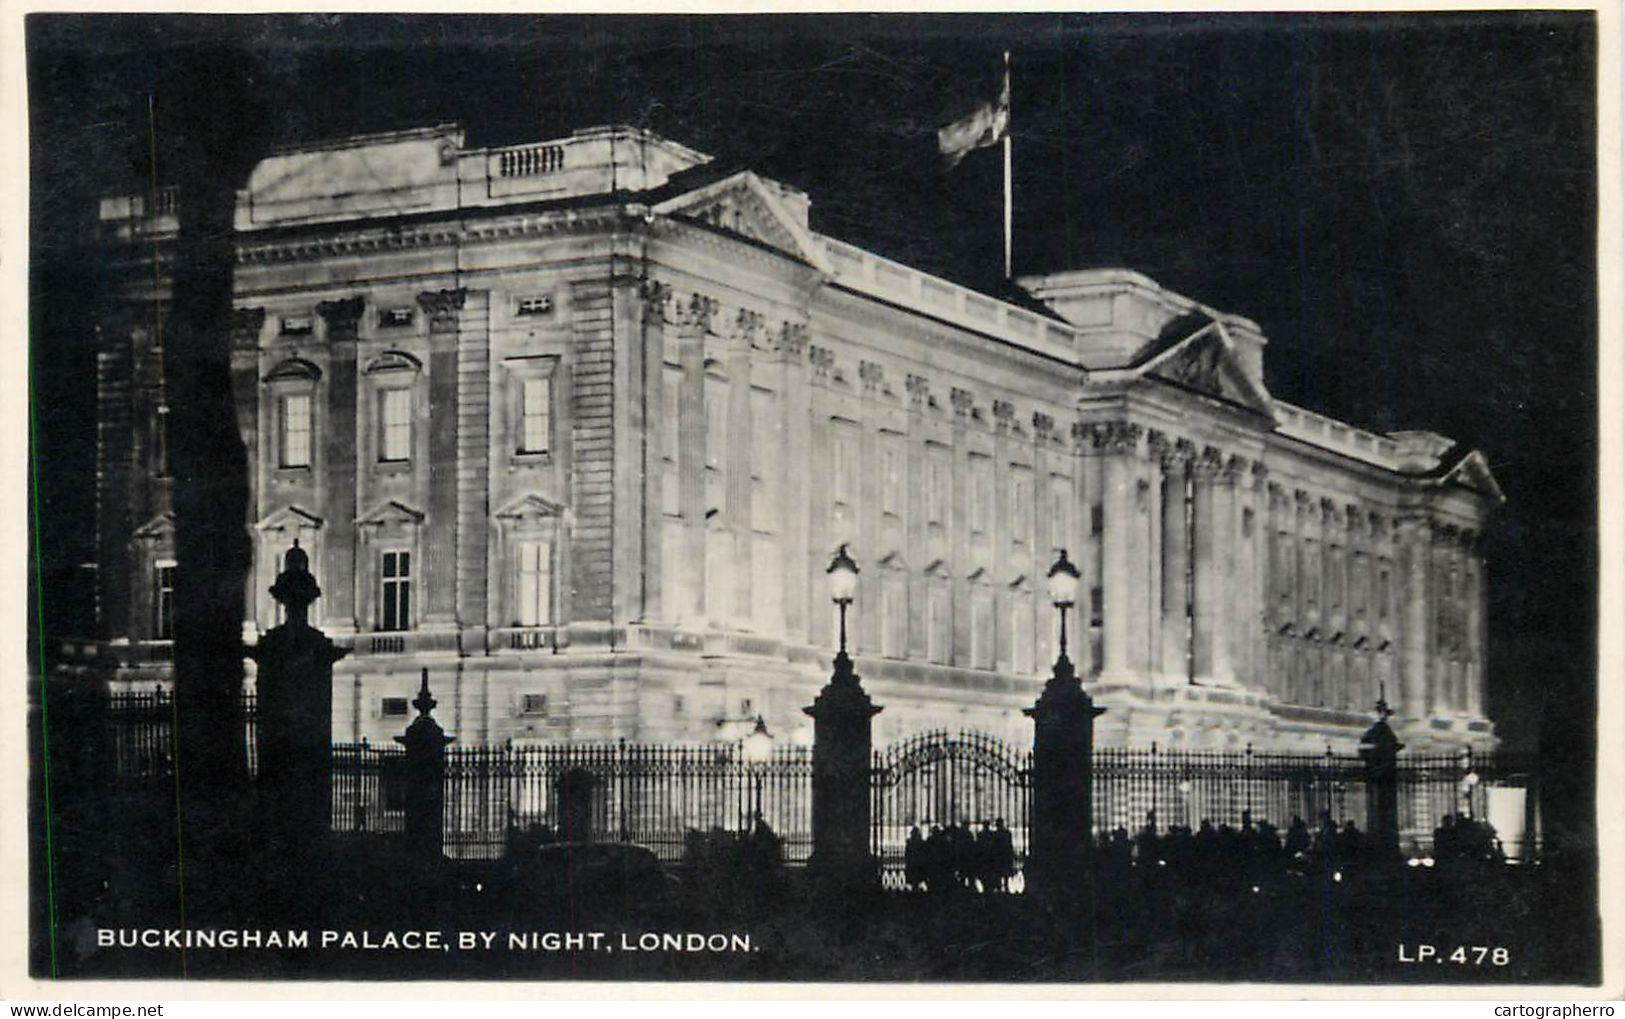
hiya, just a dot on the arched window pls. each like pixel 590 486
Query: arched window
pixel 292 385
pixel 392 380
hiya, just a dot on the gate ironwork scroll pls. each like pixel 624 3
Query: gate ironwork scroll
pixel 942 779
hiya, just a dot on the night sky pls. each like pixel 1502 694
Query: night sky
pixel 1405 203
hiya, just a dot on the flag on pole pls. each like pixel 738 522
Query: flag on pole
pixel 986 125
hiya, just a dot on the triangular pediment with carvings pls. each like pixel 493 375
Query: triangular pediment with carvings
pixel 160 528
pixel 745 205
pixel 529 511
pixel 1205 362
pixel 1473 472
pixel 289 518
pixel 390 513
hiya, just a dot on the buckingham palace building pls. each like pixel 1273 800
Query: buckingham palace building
pixel 577 426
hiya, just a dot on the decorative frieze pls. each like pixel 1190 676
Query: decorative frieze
pixel 1116 436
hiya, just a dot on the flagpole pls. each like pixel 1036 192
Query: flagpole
pixel 1008 271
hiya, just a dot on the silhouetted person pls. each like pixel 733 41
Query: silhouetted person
pixel 1004 855
pixel 1297 838
pixel 914 859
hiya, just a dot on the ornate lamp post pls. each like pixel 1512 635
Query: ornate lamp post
pixel 1063 772
pixel 1063 594
pixel 757 750
pixel 842 746
pixel 843 586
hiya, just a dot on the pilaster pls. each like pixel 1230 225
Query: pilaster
pixel 439 582
pixel 343 440
pixel 691 453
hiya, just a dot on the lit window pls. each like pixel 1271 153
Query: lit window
pixel 395 609
pixel 533 583
pixel 981 630
pixel 163 600
pixel 535 415
pixel 539 305
pixel 937 491
pixel 396 414
pixel 534 704
pixel 296 428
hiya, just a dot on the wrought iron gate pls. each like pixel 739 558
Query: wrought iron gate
pixel 942 780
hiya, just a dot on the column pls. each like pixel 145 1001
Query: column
pixel 736 477
pixel 1085 491
pixel 1476 609
pixel 440 531
pixel 999 538
pixel 1176 562
pixel 342 439
pixel 648 421
pixel 959 527
pixel 691 456
pixel 1118 443
pixel 794 469
pixel 1212 516
pixel 1412 614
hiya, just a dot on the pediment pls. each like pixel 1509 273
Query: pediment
pixel 1473 472
pixel 159 528
pixel 1205 362
pixel 529 510
pixel 390 512
pixel 744 205
pixel 289 518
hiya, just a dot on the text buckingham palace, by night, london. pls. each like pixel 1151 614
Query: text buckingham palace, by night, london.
pixel 576 425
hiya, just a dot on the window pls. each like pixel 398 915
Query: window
pixel 938 624
pixel 892 481
pixel 1021 504
pixel 1097 605
pixel 535 415
pixel 893 614
pixel 393 707
pixel 937 494
pixel 394 318
pixel 981 497
pixel 533 704
pixel 843 468
pixel 296 428
pixel 533 582
pixel 395 431
pixel 981 630
pixel 1021 633
pixel 395 608
pixel 163 600
pixel 297 325
pixel 716 424
pixel 539 305
pixel 160 441
pixel 1097 520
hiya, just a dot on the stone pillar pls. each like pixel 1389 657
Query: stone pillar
pixel 1476 610
pixel 1412 615
pixel 440 533
pixel 1379 749
pixel 1117 442
pixel 423 773
pixel 656 300
pixel 342 440
pixel 1176 562
pixel 1213 505
pixel 295 714
pixel 842 761
pixel 691 451
pixel 737 471
pixel 1063 786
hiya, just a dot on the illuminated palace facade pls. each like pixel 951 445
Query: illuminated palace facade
pixel 577 425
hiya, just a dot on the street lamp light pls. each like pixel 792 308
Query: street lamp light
pixel 843 586
pixel 757 750
pixel 1063 591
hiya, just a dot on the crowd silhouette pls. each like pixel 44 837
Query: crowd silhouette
pixel 956 857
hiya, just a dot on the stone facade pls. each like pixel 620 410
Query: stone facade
pixel 577 426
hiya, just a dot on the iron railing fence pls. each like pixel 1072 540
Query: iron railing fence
pixel 947 785
pixel 652 795
pixel 656 794
pixel 140 732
